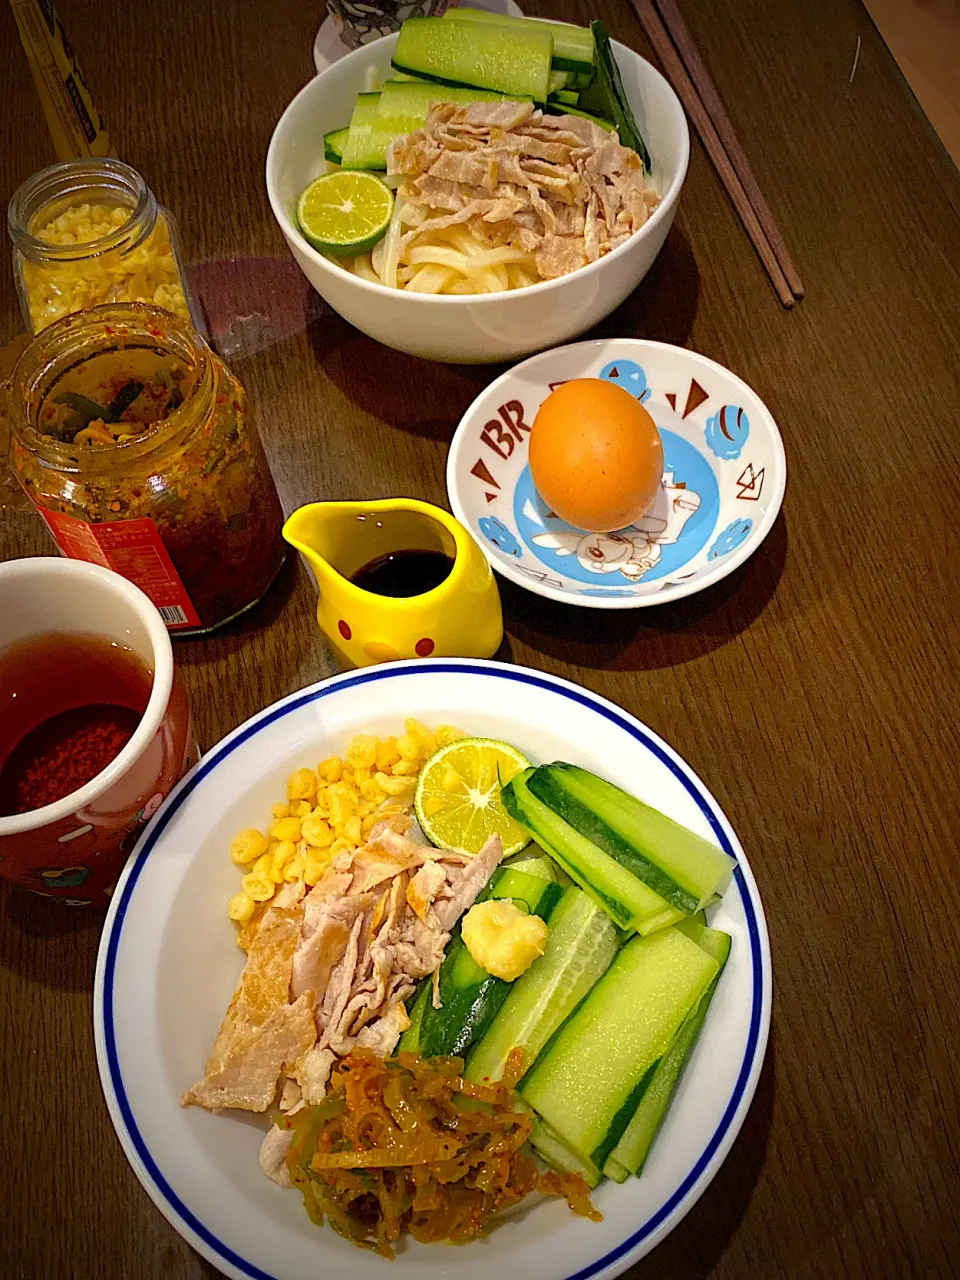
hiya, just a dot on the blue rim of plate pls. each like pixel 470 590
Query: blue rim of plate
pixel 106 965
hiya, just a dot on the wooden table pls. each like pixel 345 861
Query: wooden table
pixel 815 690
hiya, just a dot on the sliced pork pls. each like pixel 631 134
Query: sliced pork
pixel 559 186
pixel 330 969
pixel 245 1076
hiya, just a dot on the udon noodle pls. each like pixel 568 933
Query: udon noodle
pixel 465 258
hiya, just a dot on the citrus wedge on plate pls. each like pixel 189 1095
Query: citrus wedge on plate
pixel 345 212
pixel 458 796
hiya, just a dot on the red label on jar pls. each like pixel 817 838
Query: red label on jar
pixel 135 550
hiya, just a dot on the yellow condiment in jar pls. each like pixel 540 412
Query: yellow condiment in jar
pixel 89 232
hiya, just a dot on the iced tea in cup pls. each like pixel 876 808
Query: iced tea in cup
pixel 95 725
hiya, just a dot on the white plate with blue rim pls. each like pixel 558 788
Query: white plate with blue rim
pixel 168 964
pixel 723 480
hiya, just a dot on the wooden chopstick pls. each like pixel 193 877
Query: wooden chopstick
pixel 690 56
pixel 663 46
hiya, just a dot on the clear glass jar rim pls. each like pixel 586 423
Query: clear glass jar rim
pixel 138 317
pixel 70 176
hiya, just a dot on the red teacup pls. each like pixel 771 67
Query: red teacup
pixel 73 847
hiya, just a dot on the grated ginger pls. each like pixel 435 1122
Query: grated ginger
pixel 503 939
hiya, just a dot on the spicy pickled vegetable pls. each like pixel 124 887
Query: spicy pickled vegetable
pixel 113 397
pixel 402 1144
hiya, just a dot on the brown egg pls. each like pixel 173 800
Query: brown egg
pixel 595 455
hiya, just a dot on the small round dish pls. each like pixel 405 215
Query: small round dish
pixel 723 481
pixel 168 964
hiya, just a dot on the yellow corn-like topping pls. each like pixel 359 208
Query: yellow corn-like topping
pixel 329 810
pixel 147 273
pixel 286 829
pixel 248 846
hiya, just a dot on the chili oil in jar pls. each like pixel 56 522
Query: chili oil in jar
pixel 133 441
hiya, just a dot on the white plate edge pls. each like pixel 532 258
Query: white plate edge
pixel 733 1125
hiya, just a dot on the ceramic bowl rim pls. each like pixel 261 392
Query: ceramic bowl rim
pixel 160 689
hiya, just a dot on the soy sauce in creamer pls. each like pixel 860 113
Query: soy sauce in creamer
pixel 403 573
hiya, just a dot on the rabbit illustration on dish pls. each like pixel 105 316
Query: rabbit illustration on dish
pixel 635 550
pixel 629 552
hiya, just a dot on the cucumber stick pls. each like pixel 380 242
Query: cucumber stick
pixel 532 862
pixel 682 867
pixel 357 148
pixel 572 46
pixel 410 1040
pixel 551 1148
pixel 523 881
pixel 630 1153
pixel 606 96
pixel 580 79
pixel 401 107
pixel 407 101
pixel 589 1079
pixel 627 900
pixel 333 144
pixel 580 948
pixel 470 997
pixel 712 940
pixel 478 54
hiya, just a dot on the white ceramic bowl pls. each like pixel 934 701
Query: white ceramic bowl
pixel 168 964
pixel 490 327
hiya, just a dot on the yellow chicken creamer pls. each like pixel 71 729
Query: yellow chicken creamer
pixel 346 544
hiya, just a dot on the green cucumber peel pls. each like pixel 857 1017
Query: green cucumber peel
pixel 471 997
pixel 609 86
pixel 548 787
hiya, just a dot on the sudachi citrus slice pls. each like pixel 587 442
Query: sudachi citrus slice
pixel 458 796
pixel 345 212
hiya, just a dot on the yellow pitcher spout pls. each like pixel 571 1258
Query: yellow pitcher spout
pixel 460 617
pixel 316 531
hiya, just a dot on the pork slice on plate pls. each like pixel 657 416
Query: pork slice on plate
pixel 245 1076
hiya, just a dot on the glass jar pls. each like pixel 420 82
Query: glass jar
pixel 89 232
pixel 132 439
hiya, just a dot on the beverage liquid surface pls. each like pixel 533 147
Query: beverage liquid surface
pixel 403 573
pixel 69 704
